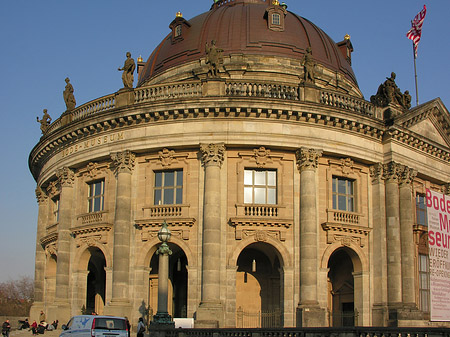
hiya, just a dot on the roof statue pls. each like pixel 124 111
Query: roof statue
pixel 308 66
pixel 69 98
pixel 389 93
pixel 213 58
pixel 45 121
pixel 128 70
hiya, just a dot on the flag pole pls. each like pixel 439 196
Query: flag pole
pixel 415 75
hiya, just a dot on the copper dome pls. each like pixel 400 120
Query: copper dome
pixel 241 27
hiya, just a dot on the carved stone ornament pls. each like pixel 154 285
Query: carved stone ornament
pixel 45 121
pixel 308 159
pixel 214 59
pixel 51 250
pixel 53 188
pixel 41 196
pixel 91 240
pixel 262 156
pixel 447 189
pixel 123 161
pixel 308 66
pixel 166 157
pixel 376 172
pixel 392 171
pixel 260 235
pixel 212 154
pixel 92 170
pixel 407 176
pixel 69 98
pixel 66 177
pixel 346 166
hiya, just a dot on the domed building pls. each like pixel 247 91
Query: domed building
pixel 291 199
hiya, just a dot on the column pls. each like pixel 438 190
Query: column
pixel 210 311
pixel 407 237
pixel 123 164
pixel 379 309
pixel 66 179
pixel 394 268
pixel 311 314
pixel 39 271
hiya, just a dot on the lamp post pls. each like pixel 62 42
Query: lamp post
pixel 162 317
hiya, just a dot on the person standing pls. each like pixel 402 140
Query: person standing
pixel 41 317
pixel 6 328
pixel 140 328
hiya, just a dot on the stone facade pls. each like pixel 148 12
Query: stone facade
pixel 289 201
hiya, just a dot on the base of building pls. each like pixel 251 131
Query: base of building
pixel 59 311
pixel 405 315
pixel 209 315
pixel 120 308
pixel 379 315
pixel 311 316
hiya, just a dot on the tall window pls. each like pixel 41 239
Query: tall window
pixel 169 187
pixel 96 196
pixel 343 194
pixel 260 187
pixel 424 283
pixel 421 210
pixel 178 30
pixel 276 19
pixel 56 208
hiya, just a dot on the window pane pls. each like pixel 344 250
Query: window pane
pixel 179 196
pixel 342 203
pixel 248 198
pixel 342 186
pixel 272 178
pixel 168 197
pixel 179 178
pixel 271 196
pixel 260 195
pixel 158 179
pixel 350 205
pixel 90 205
pixel 260 177
pixel 169 178
pixel 248 177
pixel 335 185
pixel 157 197
pixel 349 187
pixel 97 204
pixel 335 201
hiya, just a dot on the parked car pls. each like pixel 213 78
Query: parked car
pixel 95 326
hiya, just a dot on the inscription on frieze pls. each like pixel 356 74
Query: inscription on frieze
pixel 91 143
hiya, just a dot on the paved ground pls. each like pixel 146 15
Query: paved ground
pixel 26 333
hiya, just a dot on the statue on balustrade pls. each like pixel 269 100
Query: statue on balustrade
pixel 128 72
pixel 308 66
pixel 45 121
pixel 69 98
pixel 213 58
pixel 389 93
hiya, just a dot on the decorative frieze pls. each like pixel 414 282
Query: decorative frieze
pixel 66 177
pixel 123 161
pixel 212 154
pixel 308 159
pixel 260 235
pixel 346 235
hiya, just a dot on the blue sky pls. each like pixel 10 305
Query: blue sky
pixel 45 41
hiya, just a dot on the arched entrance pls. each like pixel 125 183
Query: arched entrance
pixel 341 289
pixel 96 281
pixel 258 287
pixel 178 283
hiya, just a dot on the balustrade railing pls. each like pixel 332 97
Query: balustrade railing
pixel 346 102
pixel 254 210
pixel 345 217
pixel 91 218
pixel 167 91
pixel 269 90
pixel 159 211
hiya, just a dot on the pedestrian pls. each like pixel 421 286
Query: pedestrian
pixel 140 328
pixel 6 328
pixel 34 328
pixel 42 317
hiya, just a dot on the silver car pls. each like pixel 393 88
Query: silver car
pixel 95 326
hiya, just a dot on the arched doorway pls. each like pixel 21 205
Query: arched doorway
pixel 178 283
pixel 96 281
pixel 258 288
pixel 341 289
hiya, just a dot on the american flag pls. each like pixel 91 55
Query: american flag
pixel 416 30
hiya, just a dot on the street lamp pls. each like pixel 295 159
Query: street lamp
pixel 162 318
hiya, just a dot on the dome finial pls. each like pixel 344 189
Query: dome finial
pixel 275 2
pixel 179 14
pixel 347 37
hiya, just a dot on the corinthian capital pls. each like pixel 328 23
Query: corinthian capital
pixel 66 177
pixel 212 154
pixel 123 161
pixel 407 175
pixel 392 171
pixel 308 159
pixel 376 173
pixel 40 195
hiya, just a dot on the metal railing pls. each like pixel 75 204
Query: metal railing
pixel 259 319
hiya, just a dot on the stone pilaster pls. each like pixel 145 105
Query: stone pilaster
pixel 406 236
pixel 210 312
pixel 123 164
pixel 309 311
pixel 61 309
pixel 39 271
pixel 392 171
pixel 379 309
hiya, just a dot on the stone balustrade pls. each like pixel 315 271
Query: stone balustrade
pixel 233 88
pixel 254 210
pixel 343 217
pixel 91 218
pixel 165 211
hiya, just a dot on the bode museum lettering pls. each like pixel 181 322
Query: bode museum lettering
pixel 92 143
